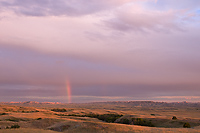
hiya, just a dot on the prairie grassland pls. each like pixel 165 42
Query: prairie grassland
pixel 43 117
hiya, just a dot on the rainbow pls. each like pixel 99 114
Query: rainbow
pixel 68 91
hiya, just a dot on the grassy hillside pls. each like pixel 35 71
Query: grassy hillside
pixel 98 117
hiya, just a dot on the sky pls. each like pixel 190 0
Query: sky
pixel 102 50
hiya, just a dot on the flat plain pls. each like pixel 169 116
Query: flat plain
pixel 119 116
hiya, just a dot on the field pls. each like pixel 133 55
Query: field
pixel 133 116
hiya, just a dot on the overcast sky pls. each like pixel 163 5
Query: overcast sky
pixel 104 48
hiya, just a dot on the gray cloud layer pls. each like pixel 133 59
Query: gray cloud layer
pixel 144 21
pixel 20 65
pixel 165 15
pixel 58 7
pixel 82 7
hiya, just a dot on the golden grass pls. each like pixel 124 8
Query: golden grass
pixel 27 130
pixel 26 117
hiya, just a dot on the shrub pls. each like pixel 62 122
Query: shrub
pixel 59 110
pixel 186 125
pixel 174 118
pixel 30 111
pixel 15 126
pixel 125 121
pixel 61 115
pixel 39 118
pixel 142 122
pixel 104 117
pixel 13 119
pixel 108 117
pixel 3 113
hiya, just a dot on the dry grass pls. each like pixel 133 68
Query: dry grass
pixel 27 130
pixel 26 116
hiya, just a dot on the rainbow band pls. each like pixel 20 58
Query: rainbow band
pixel 68 91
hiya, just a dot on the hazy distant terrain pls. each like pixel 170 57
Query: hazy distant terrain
pixel 132 116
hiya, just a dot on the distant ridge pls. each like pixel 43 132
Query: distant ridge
pixel 127 103
pixel 30 102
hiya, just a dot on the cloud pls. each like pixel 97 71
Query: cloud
pixel 178 4
pixel 59 7
pixel 138 19
pixel 99 48
pixel 121 15
pixel 160 16
pixel 24 66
